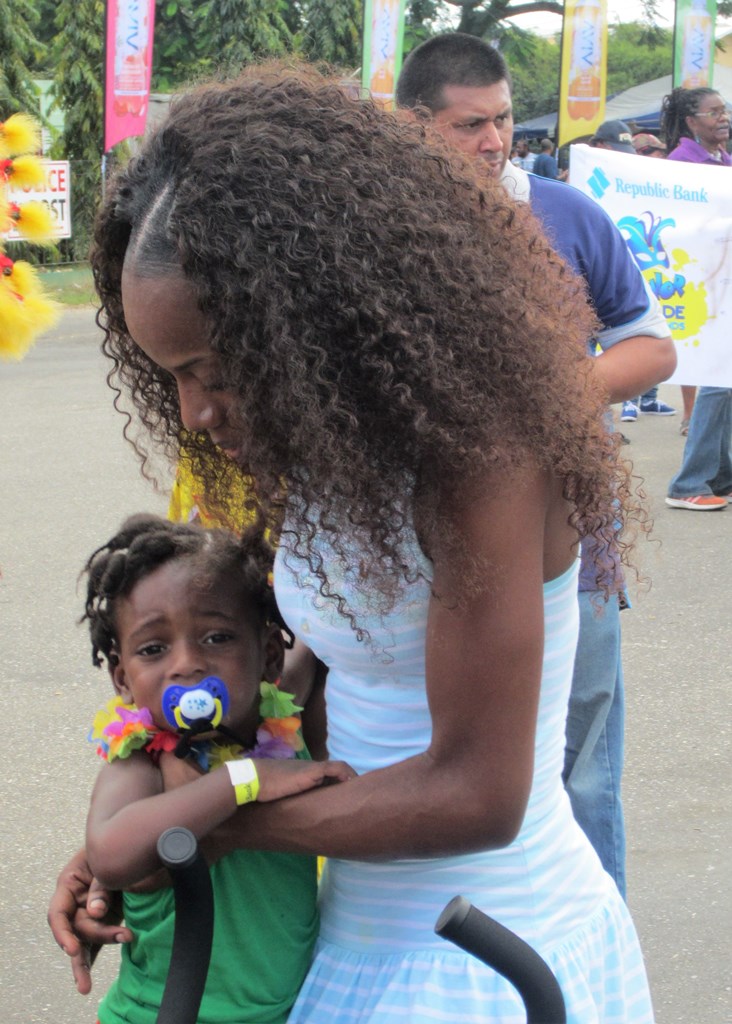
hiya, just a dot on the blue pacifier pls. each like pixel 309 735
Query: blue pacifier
pixel 195 707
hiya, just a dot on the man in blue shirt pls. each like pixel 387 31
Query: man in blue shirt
pixel 545 164
pixel 466 85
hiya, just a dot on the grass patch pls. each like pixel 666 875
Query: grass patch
pixel 72 286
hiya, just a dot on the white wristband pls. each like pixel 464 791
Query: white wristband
pixel 244 779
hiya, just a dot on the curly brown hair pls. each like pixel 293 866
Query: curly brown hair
pixel 388 320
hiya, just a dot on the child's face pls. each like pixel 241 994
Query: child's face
pixel 171 630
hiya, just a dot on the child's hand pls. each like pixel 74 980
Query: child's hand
pixel 287 778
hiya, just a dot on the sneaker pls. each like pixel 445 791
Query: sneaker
pixel 629 412
pixel 698 503
pixel 656 408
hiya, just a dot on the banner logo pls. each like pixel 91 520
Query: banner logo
pixel 598 182
pixel 683 300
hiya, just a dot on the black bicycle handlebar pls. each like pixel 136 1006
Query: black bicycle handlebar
pixel 193 934
pixel 505 952
pixel 460 922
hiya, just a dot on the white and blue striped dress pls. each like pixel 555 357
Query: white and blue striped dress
pixel 378 960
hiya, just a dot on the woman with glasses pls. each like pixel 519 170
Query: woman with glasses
pixel 696 124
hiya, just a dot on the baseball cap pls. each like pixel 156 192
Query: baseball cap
pixel 645 142
pixel 616 135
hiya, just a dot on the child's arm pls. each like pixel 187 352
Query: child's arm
pixel 129 809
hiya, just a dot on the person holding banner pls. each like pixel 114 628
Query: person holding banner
pixel 402 373
pixel 465 85
pixel 697 127
pixel 704 482
pixel 613 135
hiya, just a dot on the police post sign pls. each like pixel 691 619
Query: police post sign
pixel 55 192
pixel 676 219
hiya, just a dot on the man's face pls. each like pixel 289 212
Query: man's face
pixel 479 121
pixel 522 147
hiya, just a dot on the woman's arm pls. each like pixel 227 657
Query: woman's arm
pixel 129 809
pixel 484 650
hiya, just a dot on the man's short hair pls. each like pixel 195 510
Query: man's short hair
pixel 547 145
pixel 454 58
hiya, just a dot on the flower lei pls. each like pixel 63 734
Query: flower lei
pixel 120 728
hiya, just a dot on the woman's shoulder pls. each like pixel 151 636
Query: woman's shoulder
pixel 499 514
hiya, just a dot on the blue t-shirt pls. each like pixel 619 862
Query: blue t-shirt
pixel 589 241
pixel 545 166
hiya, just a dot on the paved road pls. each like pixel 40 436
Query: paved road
pixel 67 481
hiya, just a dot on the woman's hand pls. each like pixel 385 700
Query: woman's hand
pixel 278 779
pixel 83 917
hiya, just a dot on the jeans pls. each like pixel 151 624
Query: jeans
pixel 706 467
pixel 593 757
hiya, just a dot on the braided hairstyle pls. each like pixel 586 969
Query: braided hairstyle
pixel 144 543
pixel 677 106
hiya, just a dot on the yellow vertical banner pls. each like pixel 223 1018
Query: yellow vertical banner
pixel 583 83
pixel 383 40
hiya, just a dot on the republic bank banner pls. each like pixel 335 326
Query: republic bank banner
pixel 676 219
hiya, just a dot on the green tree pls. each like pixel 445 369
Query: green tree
pixel 534 62
pixel 181 44
pixel 78 52
pixel 637 54
pixel 17 54
pixel 242 30
pixel 332 31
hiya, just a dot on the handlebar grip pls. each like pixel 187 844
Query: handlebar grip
pixel 514 959
pixel 193 933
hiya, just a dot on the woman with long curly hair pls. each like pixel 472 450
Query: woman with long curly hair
pixel 301 285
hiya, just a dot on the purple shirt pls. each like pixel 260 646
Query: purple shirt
pixel 692 153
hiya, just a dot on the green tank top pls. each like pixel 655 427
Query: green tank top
pixel 266 923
